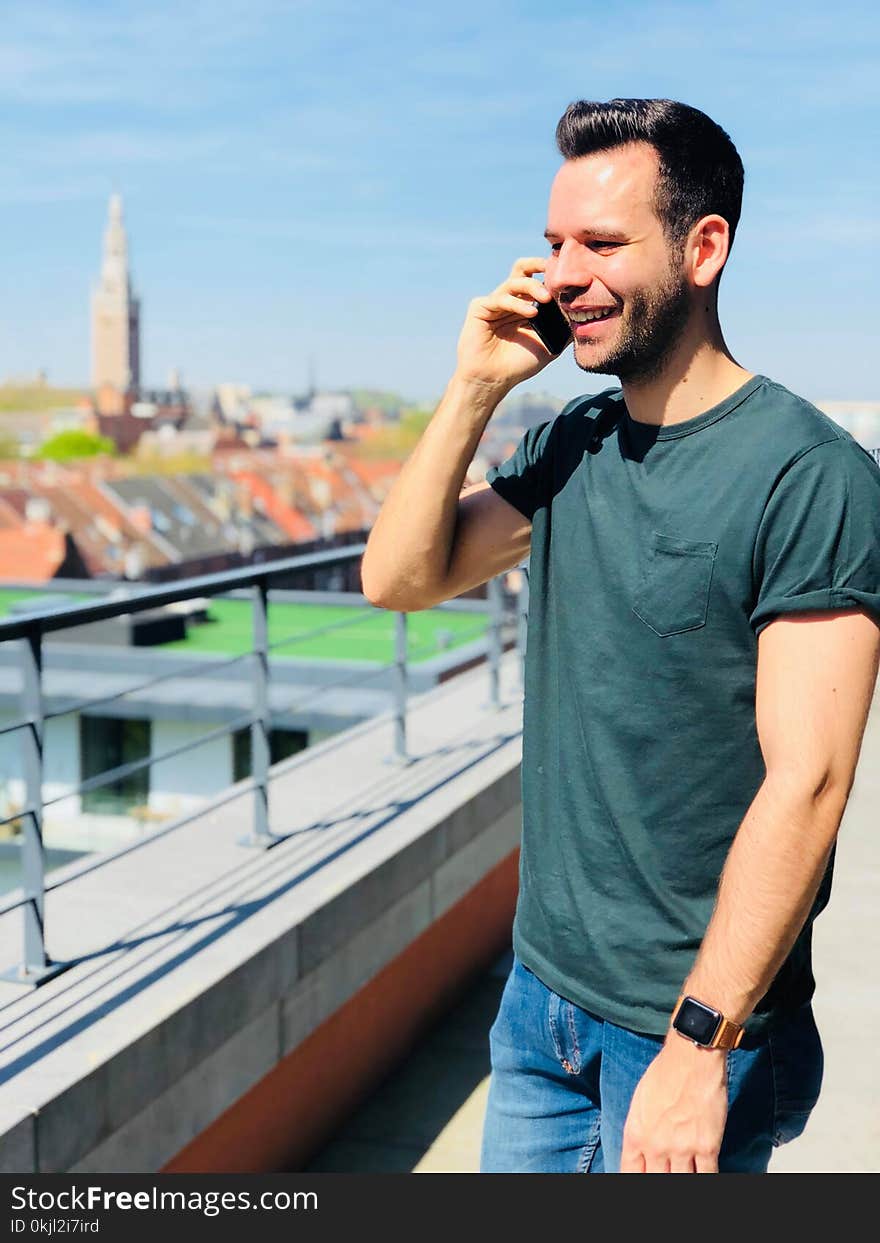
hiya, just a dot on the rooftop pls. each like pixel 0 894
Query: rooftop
pixel 371 638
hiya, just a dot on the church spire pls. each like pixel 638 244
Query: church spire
pixel 114 268
pixel 115 312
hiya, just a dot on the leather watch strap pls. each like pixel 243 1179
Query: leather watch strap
pixel 728 1036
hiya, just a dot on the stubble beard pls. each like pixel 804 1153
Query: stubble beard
pixel 649 330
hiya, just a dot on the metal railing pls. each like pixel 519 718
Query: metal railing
pixel 29 630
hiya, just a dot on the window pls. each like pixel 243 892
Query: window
pixel 105 742
pixel 282 743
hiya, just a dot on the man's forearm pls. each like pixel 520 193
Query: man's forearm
pixel 770 879
pixel 409 548
pixel 678 1113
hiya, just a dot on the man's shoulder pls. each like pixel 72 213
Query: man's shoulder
pixel 591 406
pixel 795 425
pixel 582 420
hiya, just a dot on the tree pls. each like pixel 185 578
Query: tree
pixel 71 444
pixel 395 440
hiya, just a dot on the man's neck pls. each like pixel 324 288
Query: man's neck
pixel 694 381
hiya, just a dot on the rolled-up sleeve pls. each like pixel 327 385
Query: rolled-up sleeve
pixel 818 542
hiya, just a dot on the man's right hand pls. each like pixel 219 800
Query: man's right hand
pixel 497 347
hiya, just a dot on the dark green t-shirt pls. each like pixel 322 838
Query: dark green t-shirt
pixel 657 556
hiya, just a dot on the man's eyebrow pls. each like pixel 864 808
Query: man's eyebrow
pixel 612 235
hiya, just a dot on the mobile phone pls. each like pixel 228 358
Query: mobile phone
pixel 551 326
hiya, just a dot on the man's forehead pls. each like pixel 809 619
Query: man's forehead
pixel 621 181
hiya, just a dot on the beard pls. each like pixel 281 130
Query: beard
pixel 648 331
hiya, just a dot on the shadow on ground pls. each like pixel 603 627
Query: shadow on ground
pixel 428 1115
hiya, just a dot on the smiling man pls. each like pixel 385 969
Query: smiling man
pixel 703 645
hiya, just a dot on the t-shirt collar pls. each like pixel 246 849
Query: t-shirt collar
pixel 649 432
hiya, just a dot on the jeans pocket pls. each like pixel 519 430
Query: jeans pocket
pixel 673 595
pixel 797 1062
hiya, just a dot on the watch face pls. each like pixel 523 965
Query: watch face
pixel 696 1021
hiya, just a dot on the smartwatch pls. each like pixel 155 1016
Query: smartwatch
pixel 705 1027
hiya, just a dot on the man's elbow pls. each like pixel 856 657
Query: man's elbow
pixel 378 599
pixel 397 598
pixel 812 784
pixel 399 605
pixel 380 594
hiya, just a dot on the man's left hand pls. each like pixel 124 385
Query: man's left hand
pixel 678 1112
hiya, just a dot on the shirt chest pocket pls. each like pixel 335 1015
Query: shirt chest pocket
pixel 672 594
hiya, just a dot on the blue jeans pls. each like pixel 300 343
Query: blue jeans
pixel 562 1081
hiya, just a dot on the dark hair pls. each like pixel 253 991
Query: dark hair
pixel 700 170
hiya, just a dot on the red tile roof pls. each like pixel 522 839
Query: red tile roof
pixel 333 486
pixel 377 476
pixel 32 553
pixel 291 521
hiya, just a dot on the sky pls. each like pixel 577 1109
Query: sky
pixel 329 182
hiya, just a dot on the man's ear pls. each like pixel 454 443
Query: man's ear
pixel 707 249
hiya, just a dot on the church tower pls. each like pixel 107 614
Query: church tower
pixel 116 362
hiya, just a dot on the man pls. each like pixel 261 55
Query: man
pixel 702 651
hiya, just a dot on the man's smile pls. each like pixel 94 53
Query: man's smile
pixel 587 323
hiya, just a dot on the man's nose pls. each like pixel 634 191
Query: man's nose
pixel 569 271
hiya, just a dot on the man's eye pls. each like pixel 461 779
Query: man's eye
pixel 555 247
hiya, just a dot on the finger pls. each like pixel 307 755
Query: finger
pixel 499 304
pixel 525 287
pixel 656 1164
pixel 632 1161
pixel 525 267
pixel 706 1164
pixel 682 1165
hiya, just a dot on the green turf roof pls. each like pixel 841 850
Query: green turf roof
pixel 11 595
pixel 368 635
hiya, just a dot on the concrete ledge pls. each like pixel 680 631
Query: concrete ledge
pixel 194 1102
pixel 220 963
pixel 286 1118
pixel 318 995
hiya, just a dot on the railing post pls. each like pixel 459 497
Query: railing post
pixel 262 723
pixel 522 618
pixel 496 609
pixel 399 686
pixel 36 966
